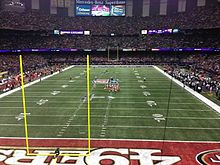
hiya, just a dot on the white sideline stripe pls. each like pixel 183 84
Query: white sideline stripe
pixel 115 126
pixel 107 139
pixel 106 120
pixel 32 83
pixel 194 93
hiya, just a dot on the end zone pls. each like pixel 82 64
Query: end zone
pixel 119 152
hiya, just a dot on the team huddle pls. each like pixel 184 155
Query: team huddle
pixel 112 85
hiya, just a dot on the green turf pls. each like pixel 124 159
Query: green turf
pixel 128 116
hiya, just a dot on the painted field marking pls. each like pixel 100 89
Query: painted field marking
pixel 70 119
pixel 143 86
pixel 158 117
pixel 72 81
pixel 33 82
pixel 151 103
pixel 42 101
pixel 65 86
pixel 77 77
pixel 146 93
pixel 138 77
pixel 194 93
pixel 105 121
pixel 137 74
pixel 141 81
pixel 99 97
pixel 21 116
pixel 54 93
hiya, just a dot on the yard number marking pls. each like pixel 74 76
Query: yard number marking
pixel 146 93
pixel 65 86
pixel 21 116
pixel 151 103
pixel 42 101
pixel 158 117
pixel 55 93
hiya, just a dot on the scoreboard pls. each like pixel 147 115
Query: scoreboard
pixel 100 7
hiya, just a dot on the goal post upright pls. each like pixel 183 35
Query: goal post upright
pixel 24 104
pixel 88 100
pixel 27 147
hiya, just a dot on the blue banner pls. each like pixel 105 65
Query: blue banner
pixel 118 10
pixel 83 10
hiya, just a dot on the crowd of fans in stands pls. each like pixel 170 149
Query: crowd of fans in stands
pixel 34 68
pixel 102 27
pixel 200 72
pixel 200 17
pixel 98 42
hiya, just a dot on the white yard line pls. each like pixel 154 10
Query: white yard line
pixel 64 128
pixel 115 126
pixel 105 121
pixel 32 83
pixel 194 93
pixel 106 116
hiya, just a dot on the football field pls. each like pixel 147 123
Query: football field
pixel 148 106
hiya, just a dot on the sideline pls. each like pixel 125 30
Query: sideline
pixel 194 93
pixel 33 82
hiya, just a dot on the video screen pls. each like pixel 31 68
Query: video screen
pixel 118 10
pixel 100 10
pixel 83 10
pixel 95 8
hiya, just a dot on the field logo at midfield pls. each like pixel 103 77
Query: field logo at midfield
pixel 210 157
pixel 100 156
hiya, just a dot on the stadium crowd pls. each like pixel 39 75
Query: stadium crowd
pixel 34 68
pixel 200 72
pixel 198 18
pixel 98 42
